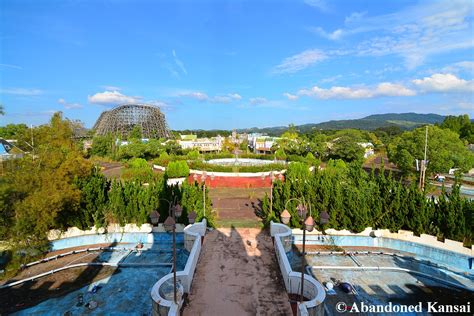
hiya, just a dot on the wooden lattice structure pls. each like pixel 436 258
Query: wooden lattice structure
pixel 122 119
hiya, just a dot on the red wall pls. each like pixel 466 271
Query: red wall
pixel 234 182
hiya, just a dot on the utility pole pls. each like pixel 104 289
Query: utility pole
pixel 32 142
pixel 424 162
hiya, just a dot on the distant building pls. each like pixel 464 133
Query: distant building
pixel 9 151
pixel 213 144
pixel 261 144
pixel 237 138
pixel 369 149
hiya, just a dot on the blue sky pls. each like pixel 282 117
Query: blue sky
pixel 235 64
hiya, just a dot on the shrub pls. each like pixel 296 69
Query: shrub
pixel 177 169
pixel 192 155
pixel 280 154
pixel 199 165
pixel 138 169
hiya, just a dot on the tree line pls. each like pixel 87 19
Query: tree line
pixel 56 187
pixel 355 200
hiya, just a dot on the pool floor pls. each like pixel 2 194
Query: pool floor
pixel 126 292
pixel 382 287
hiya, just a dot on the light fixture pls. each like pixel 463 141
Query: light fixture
pixel 285 217
pixel 192 217
pixel 169 224
pixel 301 211
pixel 178 210
pixel 323 217
pixel 309 223
pixel 155 217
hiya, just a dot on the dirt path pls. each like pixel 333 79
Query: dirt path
pixel 237 274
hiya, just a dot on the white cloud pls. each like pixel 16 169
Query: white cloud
pixel 112 97
pixel 201 96
pixel 179 63
pixel 466 105
pixel 355 17
pixel 111 88
pixel 333 36
pixel 300 61
pixel 68 105
pixel 318 4
pixel 444 83
pixel 381 90
pixel 11 66
pixel 393 90
pixel 21 91
pixel 161 104
pixel 235 96
pixel 467 66
pixel 258 100
pixel 290 96
pixel 414 33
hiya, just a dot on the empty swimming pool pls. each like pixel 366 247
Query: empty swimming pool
pixel 127 290
pixel 383 276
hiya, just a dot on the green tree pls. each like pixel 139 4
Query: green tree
pixel 43 185
pixel 456 123
pixel 280 154
pixel 138 169
pixel 177 169
pixel 135 133
pixel 445 150
pixel 103 146
pixel 10 131
pixel 193 155
pixel 347 149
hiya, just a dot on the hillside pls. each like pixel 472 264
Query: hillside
pixel 403 120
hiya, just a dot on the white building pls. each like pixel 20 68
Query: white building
pixel 201 144
pixel 369 149
pixel 261 144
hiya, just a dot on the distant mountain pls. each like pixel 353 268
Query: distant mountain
pixel 405 121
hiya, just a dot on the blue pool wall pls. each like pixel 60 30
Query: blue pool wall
pixel 131 238
pixel 445 258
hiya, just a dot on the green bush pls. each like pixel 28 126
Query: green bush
pixel 138 163
pixel 218 156
pixel 200 165
pixel 138 169
pixel 192 155
pixel 177 169
pixel 280 154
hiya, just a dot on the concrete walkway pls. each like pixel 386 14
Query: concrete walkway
pixel 237 274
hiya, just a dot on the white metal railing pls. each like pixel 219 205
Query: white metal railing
pixel 192 242
pixel 312 289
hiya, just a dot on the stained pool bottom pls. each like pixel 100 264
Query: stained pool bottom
pixel 125 292
pixel 384 287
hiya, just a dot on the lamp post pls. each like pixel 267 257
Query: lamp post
pixel 272 179
pixel 203 181
pixel 307 224
pixel 170 226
